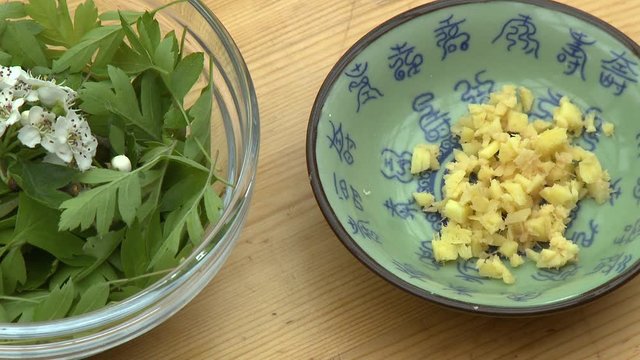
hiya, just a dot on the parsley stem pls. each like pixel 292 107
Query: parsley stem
pixel 167 5
pixel 15 298
pixel 182 40
pixel 139 277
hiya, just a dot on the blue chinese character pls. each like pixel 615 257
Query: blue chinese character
pixel 476 93
pixel 361 227
pixel 425 254
pixel 468 272
pixel 447 145
pixel 450 38
pixel 522 297
pixel 403 62
pixel 411 271
pixel 561 274
pixel 591 139
pixel 616 263
pixel 346 192
pixel 618 72
pixel 434 123
pixel 403 210
pixel 520 30
pixel 631 232
pixel 546 104
pixel 361 83
pixel 436 220
pixel 636 191
pixel 584 239
pixel 396 166
pixel 574 55
pixel 426 182
pixel 616 191
pixel 342 143
pixel 460 290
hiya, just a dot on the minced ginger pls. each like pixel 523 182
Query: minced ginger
pixel 513 184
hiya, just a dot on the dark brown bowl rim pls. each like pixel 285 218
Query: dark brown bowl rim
pixel 358 252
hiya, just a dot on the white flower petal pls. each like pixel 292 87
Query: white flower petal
pixel 24 118
pixel 29 136
pixel 51 96
pixel 64 152
pixel 48 142
pixel 53 159
pixel 83 161
pixel 3 127
pixel 36 115
pixel 9 76
pixel 13 118
pixel 31 96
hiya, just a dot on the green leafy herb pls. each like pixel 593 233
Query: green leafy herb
pixel 72 242
pixel 92 299
pixel 12 10
pixel 57 304
pixel 98 205
pixel 43 181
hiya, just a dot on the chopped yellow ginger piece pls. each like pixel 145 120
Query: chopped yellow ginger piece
pixel 608 128
pixel 455 211
pixel 444 251
pixel 513 184
pixel 516 260
pixel 423 199
pixel 590 123
pixel 550 141
pixel 558 254
pixel 568 116
pixel 425 157
pixel 494 268
pixel 526 98
pixel 559 195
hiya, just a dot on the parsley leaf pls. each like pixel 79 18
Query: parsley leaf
pixel 42 181
pixel 14 271
pixel 59 30
pixel 19 40
pixel 93 299
pixel 12 10
pixel 125 104
pixel 99 204
pixel 57 304
pixel 80 54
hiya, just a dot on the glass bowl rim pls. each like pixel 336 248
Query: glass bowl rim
pixel 126 310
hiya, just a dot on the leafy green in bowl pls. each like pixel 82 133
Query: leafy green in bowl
pixel 128 147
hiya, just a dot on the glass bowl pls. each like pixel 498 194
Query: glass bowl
pixel 408 80
pixel 235 139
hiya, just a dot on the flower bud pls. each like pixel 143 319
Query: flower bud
pixel 121 163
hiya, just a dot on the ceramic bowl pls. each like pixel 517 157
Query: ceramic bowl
pixel 408 80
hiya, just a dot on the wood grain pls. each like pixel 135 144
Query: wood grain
pixel 290 290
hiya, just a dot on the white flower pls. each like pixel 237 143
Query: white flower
pixel 35 124
pixel 121 163
pixel 71 139
pixel 49 93
pixel 9 109
pixel 9 76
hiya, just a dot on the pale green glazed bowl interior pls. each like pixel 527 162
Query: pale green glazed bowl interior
pixel 408 80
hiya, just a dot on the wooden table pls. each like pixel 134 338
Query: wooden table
pixel 290 290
